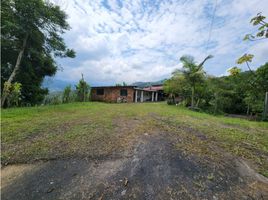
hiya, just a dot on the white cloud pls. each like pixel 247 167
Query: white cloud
pixel 143 40
pixel 260 52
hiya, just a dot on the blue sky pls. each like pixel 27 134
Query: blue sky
pixel 143 40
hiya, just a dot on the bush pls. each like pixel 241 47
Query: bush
pixel 53 98
pixel 13 94
pixel 66 97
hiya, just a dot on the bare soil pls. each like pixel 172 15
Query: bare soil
pixel 153 165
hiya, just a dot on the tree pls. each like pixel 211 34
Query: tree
pixel 252 96
pixel 193 73
pixel 238 93
pixel 82 90
pixel 177 86
pixel 234 71
pixel 31 39
pixel 262 30
pixel 67 94
pixel 246 58
pixel 119 84
pixel 262 77
pixel 262 81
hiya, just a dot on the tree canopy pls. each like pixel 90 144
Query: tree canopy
pixel 31 40
pixel 82 90
pixel 258 20
pixel 192 72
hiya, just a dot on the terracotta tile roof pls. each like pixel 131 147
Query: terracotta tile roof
pixel 127 86
pixel 154 88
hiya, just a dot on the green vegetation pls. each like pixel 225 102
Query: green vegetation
pixel 31 39
pixel 80 94
pixel 239 93
pixel 119 84
pixel 193 73
pixel 67 94
pixel 98 130
pixel 82 90
pixel 258 20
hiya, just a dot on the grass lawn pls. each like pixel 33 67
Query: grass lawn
pixel 100 130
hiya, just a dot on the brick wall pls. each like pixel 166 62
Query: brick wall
pixel 111 94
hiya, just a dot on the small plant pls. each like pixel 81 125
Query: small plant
pixel 67 94
pixel 13 92
pixel 210 176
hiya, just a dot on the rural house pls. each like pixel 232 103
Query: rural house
pixel 118 94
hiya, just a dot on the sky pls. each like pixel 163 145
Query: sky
pixel 142 40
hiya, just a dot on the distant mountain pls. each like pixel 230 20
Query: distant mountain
pixel 147 84
pixel 56 85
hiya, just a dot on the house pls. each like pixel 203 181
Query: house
pixel 115 94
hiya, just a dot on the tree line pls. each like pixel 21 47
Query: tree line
pixel 81 93
pixel 239 92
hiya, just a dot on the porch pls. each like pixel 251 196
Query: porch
pixel 141 95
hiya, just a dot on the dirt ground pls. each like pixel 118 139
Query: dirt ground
pixel 154 165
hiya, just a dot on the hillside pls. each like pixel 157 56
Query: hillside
pixel 146 84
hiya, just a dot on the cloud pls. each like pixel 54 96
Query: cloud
pixel 260 51
pixel 143 40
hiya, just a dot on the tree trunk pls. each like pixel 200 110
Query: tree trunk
pixel 197 103
pixel 248 109
pixel 14 72
pixel 192 100
pixel 84 94
pixel 216 103
pixel 265 111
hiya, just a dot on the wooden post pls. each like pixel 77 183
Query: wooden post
pixel 152 96
pixel 156 96
pixel 142 96
pixel 265 111
pixel 136 96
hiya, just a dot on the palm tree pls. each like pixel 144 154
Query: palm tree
pixel 192 72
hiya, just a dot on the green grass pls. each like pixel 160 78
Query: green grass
pixel 99 129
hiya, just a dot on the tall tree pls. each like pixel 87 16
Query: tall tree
pixel 252 96
pixel 82 90
pixel 31 40
pixel 192 72
pixel 66 97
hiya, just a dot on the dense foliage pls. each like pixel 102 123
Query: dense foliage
pixel 30 40
pixel 82 90
pixel 240 92
pixel 192 73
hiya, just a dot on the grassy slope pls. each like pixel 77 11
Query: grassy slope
pixel 90 129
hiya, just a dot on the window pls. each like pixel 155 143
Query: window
pixel 100 91
pixel 123 92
